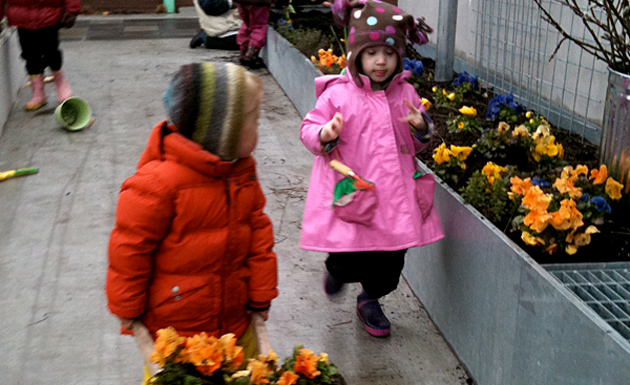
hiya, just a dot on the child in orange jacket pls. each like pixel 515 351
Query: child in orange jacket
pixel 191 247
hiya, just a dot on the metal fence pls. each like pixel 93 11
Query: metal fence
pixel 513 45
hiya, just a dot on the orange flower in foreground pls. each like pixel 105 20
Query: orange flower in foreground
pixel 233 354
pixel 306 364
pixel 205 353
pixel 259 372
pixel 599 175
pixel 288 378
pixel 166 344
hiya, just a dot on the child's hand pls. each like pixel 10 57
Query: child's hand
pixel 68 20
pixel 264 314
pixel 332 129
pixel 125 323
pixel 415 119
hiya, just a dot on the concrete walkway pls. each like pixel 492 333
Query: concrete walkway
pixel 55 225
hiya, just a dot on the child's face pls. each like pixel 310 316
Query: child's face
pixel 249 133
pixel 379 62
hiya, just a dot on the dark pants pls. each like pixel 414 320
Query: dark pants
pixel 226 43
pixel 40 49
pixel 377 271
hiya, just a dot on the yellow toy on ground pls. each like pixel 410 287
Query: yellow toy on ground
pixel 19 172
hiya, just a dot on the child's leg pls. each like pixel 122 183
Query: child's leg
pixel 51 54
pixel 381 274
pixel 242 38
pixel 259 18
pixel 32 51
pixel 52 58
pixel 33 54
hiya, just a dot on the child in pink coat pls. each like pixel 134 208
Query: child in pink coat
pixel 374 120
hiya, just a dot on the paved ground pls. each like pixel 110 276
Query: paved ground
pixel 54 228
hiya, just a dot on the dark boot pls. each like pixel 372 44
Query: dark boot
pixel 241 56
pixel 251 56
pixel 370 312
pixel 198 40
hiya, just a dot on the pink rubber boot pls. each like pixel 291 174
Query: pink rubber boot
pixel 63 88
pixel 39 97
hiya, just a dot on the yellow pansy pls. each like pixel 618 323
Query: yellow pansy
pixel 426 103
pixel 468 111
pixel 520 131
pixel 503 127
pixel 531 240
pixel 552 248
pixel 441 154
pixel 460 125
pixel 461 153
pixel 451 96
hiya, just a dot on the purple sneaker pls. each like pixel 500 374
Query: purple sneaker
pixel 370 312
pixel 332 287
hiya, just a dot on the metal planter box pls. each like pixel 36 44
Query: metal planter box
pixel 12 73
pixel 508 320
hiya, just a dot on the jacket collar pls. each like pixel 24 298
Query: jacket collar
pixel 166 143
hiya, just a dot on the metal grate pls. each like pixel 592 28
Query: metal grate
pixel 604 287
pixel 512 50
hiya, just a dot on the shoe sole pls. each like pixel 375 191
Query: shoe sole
pixel 372 331
pixel 35 107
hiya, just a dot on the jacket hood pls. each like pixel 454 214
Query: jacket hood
pixel 167 143
pixel 324 82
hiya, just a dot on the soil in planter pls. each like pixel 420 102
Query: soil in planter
pixel 610 245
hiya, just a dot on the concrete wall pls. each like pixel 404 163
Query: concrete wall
pixel 12 73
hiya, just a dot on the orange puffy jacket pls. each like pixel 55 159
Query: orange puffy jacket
pixel 191 247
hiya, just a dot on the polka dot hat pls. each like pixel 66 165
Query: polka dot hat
pixel 373 23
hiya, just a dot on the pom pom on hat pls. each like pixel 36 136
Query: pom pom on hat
pixel 206 102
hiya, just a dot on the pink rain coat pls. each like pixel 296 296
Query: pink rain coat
pixel 379 148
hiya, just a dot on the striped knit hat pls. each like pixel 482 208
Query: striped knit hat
pixel 206 102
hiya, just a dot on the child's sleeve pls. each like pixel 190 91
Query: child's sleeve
pixel 314 121
pixel 262 261
pixel 72 6
pixel 420 142
pixel 143 216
